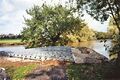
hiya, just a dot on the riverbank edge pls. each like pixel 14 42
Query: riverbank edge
pixel 11 44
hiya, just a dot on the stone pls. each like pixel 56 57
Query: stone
pixel 3 74
pixel 53 73
pixel 87 55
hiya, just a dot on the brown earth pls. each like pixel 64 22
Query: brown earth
pixel 4 62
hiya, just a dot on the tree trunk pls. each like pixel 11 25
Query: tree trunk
pixel 55 39
pixel 115 19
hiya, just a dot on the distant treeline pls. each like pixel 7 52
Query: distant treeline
pixel 10 36
pixel 103 35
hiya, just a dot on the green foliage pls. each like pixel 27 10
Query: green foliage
pixel 112 29
pixel 49 26
pixel 102 35
pixel 101 10
pixel 86 34
pixel 96 8
pixel 115 51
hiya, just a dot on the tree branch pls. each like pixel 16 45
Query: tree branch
pixel 112 13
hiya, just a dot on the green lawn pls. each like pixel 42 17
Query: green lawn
pixel 10 41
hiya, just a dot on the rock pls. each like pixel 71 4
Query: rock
pixel 53 73
pixel 3 74
pixel 3 54
pixel 87 55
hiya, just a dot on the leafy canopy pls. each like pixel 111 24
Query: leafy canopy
pixel 49 26
pixel 101 9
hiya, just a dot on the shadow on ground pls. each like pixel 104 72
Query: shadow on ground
pixel 53 73
pixel 101 71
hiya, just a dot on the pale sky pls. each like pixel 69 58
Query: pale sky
pixel 12 12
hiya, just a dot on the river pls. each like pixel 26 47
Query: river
pixel 96 45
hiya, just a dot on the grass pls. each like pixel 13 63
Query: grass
pixel 86 71
pixel 7 42
pixel 18 72
pixel 10 40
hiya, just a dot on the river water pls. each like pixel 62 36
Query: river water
pixel 97 45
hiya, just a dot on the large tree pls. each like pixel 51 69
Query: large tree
pixel 49 26
pixel 101 9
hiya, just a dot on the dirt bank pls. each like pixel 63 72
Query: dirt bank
pixel 10 44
